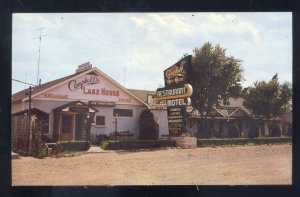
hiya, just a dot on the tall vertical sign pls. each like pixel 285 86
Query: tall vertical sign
pixel 176 94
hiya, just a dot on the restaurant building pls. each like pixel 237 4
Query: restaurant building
pixel 79 107
pixel 85 104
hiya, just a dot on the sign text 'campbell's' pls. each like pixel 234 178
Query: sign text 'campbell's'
pixel 88 80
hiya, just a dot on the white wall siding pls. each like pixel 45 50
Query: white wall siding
pixel 47 106
pixel 161 118
pixel 124 123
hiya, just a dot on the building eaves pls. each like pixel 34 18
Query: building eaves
pixel 142 94
pixel 24 93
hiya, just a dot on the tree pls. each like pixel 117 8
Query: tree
pixel 215 78
pixel 147 126
pixel 268 100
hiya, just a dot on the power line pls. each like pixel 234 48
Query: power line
pixel 40 38
pixel 23 82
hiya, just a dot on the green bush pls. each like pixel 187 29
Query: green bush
pixel 100 138
pixel 222 142
pixel 148 128
pixel 137 144
pixel 63 146
pixel 272 140
pixel 242 141
pixel 39 149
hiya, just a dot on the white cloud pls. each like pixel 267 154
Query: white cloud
pixel 146 44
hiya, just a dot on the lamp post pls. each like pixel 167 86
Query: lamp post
pixel 116 117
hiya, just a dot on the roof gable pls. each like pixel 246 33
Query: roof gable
pixel 75 103
pixel 24 93
pixel 88 85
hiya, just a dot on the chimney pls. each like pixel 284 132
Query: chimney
pixel 84 67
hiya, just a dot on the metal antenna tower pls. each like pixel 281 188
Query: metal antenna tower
pixel 40 38
pixel 124 75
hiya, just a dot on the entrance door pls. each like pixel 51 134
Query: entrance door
pixel 79 126
pixel 67 127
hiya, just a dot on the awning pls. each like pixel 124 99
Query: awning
pixel 76 106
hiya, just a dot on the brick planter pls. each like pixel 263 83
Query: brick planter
pixel 185 142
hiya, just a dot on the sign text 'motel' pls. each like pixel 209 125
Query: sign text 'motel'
pixel 179 102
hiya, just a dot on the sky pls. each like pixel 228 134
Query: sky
pixel 135 48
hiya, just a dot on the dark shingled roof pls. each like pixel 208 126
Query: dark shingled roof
pixel 142 94
pixel 22 94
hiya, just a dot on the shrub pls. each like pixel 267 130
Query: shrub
pixel 104 144
pixel 137 144
pixel 63 146
pixel 148 128
pixel 242 141
pixel 39 149
pixel 100 138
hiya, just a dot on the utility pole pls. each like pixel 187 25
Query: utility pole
pixel 29 121
pixel 40 38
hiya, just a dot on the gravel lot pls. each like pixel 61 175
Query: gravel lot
pixel 237 165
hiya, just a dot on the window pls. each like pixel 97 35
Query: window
pixel 66 124
pixel 123 112
pixel 100 120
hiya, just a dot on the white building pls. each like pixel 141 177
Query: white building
pixel 84 104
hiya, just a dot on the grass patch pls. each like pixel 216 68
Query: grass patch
pixel 71 146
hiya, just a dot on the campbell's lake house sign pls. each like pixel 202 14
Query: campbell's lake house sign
pixel 88 80
pixel 176 75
